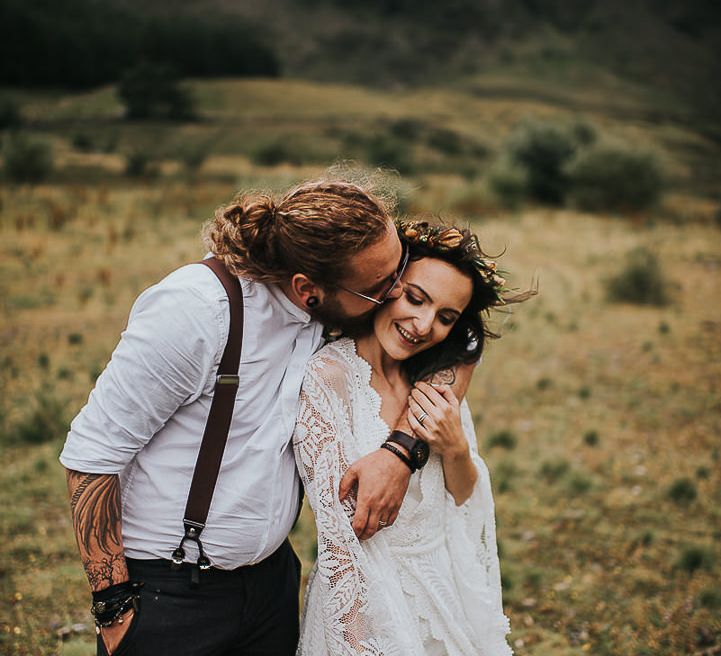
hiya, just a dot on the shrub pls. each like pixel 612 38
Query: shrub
pixel 693 558
pixel 543 150
pixel 534 578
pixel 682 491
pixel 579 483
pixel 45 422
pixel 641 281
pixel 544 383
pixel 74 339
pixel 389 152
pixel 710 598
pixel 82 142
pixel 591 438
pixel 509 182
pixel 606 177
pixel 553 470
pixel 504 439
pixel 27 159
pixel 504 475
pixel 154 91
pixel 584 133
pixel 65 374
pixel 584 392
pixel 406 128
pixel 140 163
pixel 272 153
pixel 193 156
pixel 9 113
pixel 446 141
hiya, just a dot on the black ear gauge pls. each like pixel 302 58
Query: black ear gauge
pixel 312 301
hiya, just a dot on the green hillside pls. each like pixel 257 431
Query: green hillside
pixel 597 412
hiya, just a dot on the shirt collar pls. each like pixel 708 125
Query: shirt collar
pixel 291 308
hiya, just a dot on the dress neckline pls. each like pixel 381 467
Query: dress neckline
pixel 365 372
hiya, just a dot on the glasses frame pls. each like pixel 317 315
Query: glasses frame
pixel 405 257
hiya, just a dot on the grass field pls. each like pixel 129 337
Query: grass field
pixel 600 421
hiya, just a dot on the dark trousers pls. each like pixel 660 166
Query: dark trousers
pixel 250 611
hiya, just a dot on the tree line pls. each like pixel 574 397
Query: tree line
pixel 82 43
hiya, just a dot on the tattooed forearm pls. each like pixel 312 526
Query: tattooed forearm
pixel 106 572
pixel 442 377
pixel 95 506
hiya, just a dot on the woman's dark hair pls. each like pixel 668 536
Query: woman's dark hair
pixel 467 338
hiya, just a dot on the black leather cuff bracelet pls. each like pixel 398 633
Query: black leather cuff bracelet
pixel 110 604
pixel 418 450
pixel 117 590
pixel 395 450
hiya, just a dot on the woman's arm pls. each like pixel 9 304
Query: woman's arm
pixel 439 411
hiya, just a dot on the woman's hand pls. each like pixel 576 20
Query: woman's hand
pixel 440 425
pixel 435 417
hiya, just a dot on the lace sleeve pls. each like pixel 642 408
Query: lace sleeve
pixel 342 615
pixel 474 552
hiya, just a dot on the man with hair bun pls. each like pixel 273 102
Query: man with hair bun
pixel 325 253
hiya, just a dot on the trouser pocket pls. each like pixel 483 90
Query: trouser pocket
pixel 127 638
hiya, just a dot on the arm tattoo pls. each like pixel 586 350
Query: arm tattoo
pixel 442 377
pixel 95 506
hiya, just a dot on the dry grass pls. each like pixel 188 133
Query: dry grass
pixel 597 556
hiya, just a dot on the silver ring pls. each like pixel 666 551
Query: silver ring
pixel 381 523
pixel 422 418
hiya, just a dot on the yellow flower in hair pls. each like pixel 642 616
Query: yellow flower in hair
pixel 449 238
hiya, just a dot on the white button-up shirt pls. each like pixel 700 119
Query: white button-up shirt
pixel 146 416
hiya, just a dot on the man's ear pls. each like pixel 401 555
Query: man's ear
pixel 303 288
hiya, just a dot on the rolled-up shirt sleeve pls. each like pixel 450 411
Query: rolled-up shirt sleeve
pixel 170 348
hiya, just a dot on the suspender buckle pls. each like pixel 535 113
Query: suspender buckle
pixel 178 556
pixel 227 379
pixel 204 563
pixel 192 529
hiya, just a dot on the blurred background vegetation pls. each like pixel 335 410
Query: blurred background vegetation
pixel 583 139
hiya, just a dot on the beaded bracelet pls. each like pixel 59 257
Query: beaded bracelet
pixel 111 604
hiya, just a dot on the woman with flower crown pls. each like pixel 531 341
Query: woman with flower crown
pixel 429 582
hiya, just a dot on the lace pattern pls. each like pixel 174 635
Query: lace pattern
pixel 411 589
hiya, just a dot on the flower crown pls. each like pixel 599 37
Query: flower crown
pixel 446 240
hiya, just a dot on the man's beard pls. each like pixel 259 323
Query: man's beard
pixel 331 315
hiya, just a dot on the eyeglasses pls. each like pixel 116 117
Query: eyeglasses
pixel 395 279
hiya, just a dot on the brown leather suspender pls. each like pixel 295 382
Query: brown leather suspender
pixel 217 426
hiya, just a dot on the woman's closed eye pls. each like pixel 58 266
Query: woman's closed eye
pixel 413 300
pixel 446 319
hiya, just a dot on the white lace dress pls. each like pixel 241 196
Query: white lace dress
pixel 429 584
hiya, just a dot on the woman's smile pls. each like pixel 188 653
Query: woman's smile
pixel 415 322
pixel 407 337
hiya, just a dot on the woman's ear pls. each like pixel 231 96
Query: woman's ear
pixel 305 291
